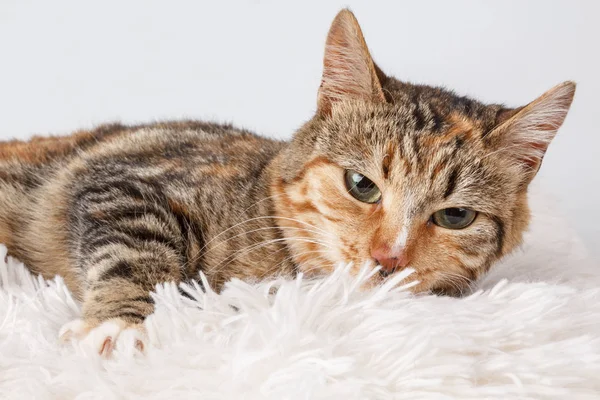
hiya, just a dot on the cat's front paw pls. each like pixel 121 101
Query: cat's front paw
pixel 104 337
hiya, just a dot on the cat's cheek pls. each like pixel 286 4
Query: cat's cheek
pixel 450 260
pixel 428 251
pixel 319 201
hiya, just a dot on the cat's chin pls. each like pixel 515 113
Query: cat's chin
pixel 422 288
pixel 428 288
pixel 451 291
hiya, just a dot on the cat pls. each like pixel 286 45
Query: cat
pixel 397 174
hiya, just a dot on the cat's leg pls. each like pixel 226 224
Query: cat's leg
pixel 117 298
pixel 126 240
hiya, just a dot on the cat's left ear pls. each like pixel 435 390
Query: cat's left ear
pixel 348 69
pixel 526 132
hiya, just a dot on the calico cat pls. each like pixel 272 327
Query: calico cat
pixel 386 171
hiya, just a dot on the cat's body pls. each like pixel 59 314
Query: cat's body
pixel 387 172
pixel 202 189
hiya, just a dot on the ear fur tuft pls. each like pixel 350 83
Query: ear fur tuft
pixel 348 69
pixel 527 133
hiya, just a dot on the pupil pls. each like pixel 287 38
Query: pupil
pixel 362 183
pixel 455 215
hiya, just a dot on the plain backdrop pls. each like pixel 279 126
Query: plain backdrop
pixel 66 65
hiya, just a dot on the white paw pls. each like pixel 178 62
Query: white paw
pixel 103 338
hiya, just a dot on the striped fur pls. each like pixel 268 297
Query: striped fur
pixel 121 208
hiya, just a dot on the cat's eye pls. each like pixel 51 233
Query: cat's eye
pixel 454 218
pixel 361 187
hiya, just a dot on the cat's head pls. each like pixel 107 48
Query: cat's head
pixel 408 175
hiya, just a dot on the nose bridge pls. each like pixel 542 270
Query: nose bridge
pixel 389 246
pixel 394 231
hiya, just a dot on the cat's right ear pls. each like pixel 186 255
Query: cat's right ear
pixel 526 132
pixel 348 69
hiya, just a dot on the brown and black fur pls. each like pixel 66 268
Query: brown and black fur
pixel 116 210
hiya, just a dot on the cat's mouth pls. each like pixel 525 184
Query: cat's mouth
pixel 451 291
pixel 452 288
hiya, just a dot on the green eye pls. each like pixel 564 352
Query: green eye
pixel 454 218
pixel 361 187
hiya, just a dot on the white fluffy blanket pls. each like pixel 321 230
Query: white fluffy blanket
pixel 531 332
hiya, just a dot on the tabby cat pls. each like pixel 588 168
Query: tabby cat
pixel 386 172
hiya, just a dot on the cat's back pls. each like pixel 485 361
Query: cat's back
pixel 183 159
pixel 187 153
pixel 182 143
pixel 183 140
pixel 192 163
pixel 43 150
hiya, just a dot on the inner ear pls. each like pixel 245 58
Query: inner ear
pixel 525 133
pixel 348 69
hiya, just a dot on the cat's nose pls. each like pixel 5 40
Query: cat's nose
pixel 390 260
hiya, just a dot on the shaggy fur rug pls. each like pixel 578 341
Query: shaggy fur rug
pixel 532 331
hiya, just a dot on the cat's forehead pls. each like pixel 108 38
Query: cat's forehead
pixel 410 130
pixel 418 109
pixel 423 155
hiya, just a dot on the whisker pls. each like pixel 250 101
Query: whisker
pixel 200 252
pixel 260 201
pixel 261 218
pixel 266 228
pixel 456 280
pixel 290 258
pixel 250 248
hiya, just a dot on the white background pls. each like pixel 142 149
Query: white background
pixel 73 64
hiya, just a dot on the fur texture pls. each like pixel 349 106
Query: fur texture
pixel 117 210
pixel 533 337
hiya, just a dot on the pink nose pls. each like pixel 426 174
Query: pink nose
pixel 389 259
